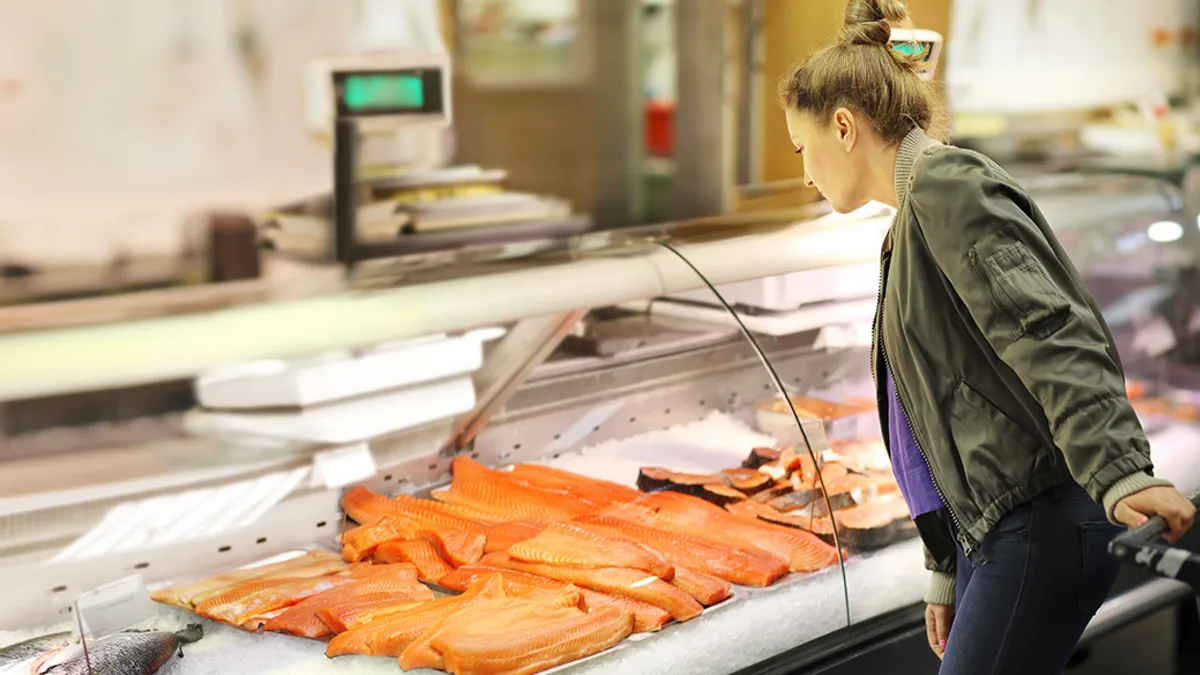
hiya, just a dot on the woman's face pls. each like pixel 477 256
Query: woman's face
pixel 830 162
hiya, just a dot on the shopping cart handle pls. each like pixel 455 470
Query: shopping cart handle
pixel 1143 547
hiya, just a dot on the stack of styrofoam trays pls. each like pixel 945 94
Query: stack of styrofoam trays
pixel 192 514
pixel 343 397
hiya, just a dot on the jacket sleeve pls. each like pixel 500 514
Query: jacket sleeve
pixel 1031 308
pixel 942 584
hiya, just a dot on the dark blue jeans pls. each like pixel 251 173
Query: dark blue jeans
pixel 1048 570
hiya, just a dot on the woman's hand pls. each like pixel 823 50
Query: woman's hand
pixel 938 619
pixel 1163 501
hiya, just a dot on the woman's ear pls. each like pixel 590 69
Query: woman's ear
pixel 846 127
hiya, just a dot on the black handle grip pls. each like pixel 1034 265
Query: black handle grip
pixel 1142 547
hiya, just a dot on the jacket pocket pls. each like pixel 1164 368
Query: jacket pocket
pixel 1024 293
pixel 996 454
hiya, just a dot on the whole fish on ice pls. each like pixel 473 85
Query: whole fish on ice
pixel 132 653
pixel 25 651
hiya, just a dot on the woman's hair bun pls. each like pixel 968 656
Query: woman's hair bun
pixel 869 22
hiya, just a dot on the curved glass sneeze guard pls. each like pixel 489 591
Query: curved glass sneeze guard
pixel 487 258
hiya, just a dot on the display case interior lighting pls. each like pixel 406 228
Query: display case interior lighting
pixel 1165 231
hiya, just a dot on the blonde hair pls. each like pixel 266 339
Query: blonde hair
pixel 862 72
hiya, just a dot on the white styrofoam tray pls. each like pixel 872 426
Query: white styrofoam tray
pixel 342 375
pixel 340 423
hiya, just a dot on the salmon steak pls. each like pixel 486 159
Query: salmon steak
pixel 391 635
pixel 478 487
pixel 747 567
pixel 647 618
pixel 625 582
pixel 491 649
pixel 420 553
pixel 571 545
pixel 591 489
pixel 515 613
pixel 694 517
pixel 187 595
pixel 398 583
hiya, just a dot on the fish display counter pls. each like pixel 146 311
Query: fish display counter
pixel 552 458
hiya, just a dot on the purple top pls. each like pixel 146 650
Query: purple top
pixel 912 473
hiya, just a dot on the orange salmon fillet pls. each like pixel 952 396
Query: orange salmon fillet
pixel 395 582
pixel 478 487
pixel 629 583
pixel 527 649
pixel 429 563
pixel 258 597
pixel 187 595
pixel 646 617
pixel 367 507
pixel 695 517
pixel 707 590
pixel 391 635
pixel 516 613
pixel 503 535
pixel 747 567
pixel 592 489
pixel 570 545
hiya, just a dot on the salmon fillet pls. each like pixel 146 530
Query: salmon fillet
pixel 570 545
pixel 629 583
pixel 592 489
pixel 247 601
pixel 187 595
pixel 503 535
pixel 513 613
pixel 429 563
pixel 391 635
pixel 647 618
pixel 706 589
pixel 493 650
pixel 459 546
pixel 394 582
pixel 476 486
pixel 367 507
pixel 695 517
pixel 344 616
pixel 748 567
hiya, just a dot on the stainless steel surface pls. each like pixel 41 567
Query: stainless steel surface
pixel 505 368
pixel 1135 604
pixel 557 415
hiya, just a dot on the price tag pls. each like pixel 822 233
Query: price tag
pixel 114 607
pixel 1154 338
pixel 342 466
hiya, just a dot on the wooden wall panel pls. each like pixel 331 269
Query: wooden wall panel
pixel 793 29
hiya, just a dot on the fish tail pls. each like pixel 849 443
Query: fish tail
pixel 192 633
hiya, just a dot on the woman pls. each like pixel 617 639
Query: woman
pixel 998 382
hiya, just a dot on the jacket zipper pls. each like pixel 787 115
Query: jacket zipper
pixel 969 545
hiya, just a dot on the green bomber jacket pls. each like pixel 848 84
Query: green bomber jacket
pixel 1006 371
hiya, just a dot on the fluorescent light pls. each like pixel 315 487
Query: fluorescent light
pixel 1165 231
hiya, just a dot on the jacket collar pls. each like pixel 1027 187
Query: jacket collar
pixel 915 143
